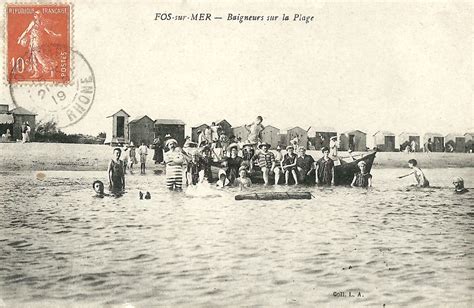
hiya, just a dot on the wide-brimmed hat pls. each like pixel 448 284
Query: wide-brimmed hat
pixel 243 168
pixel 264 144
pixel 333 137
pixel 290 147
pixel 248 144
pixel 169 141
pixel 232 145
pixel 191 144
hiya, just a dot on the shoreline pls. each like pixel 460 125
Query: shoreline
pixel 92 157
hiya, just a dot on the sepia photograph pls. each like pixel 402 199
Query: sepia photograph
pixel 236 153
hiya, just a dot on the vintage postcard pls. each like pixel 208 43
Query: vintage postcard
pixel 236 153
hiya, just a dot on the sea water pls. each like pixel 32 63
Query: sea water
pixel 346 247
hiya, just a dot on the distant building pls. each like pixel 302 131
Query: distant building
pixel 118 128
pixel 173 127
pixel 354 140
pixel 469 139
pixel 320 136
pixel 457 141
pixel 283 137
pixel 437 141
pixel 406 138
pixel 226 127
pixel 384 141
pixel 297 131
pixel 13 121
pixel 194 131
pixel 240 132
pixel 141 129
pixel 270 135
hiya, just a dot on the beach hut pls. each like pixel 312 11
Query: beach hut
pixel 141 129
pixel 118 128
pixel 456 141
pixel 354 140
pixel 406 138
pixel 283 137
pixel 20 116
pixel 297 132
pixel 384 141
pixel 173 127
pixel 240 132
pixel 270 135
pixel 437 141
pixel 195 129
pixel 225 126
pixel 469 139
pixel 319 136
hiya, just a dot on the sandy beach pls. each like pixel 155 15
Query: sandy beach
pixel 86 157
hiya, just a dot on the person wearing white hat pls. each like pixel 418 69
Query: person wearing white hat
pixel 174 160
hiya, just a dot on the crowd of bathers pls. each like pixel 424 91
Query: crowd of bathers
pixel 238 162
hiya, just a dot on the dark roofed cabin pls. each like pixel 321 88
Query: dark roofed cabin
pixel 141 129
pixel 173 127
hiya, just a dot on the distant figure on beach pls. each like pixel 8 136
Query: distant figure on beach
pixel 116 173
pixel 24 132
pixel 325 169
pixel 208 134
pixel 7 135
pixel 132 157
pixel 289 165
pixel 413 145
pixel 255 131
pixel 157 150
pixel 143 152
pixel 98 187
pixel 124 156
pixel 243 181
pixel 428 146
pixel 174 160
pixel 305 166
pixel 362 178
pixel 421 180
pixel 458 183
pixel 333 144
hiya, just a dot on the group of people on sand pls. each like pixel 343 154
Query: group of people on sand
pixel 192 164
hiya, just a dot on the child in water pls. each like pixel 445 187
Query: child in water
pixel 98 187
pixel 223 180
pixel 459 186
pixel 116 172
pixel 243 181
pixel 421 180
pixel 362 178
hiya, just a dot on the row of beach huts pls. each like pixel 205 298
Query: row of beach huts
pixel 145 129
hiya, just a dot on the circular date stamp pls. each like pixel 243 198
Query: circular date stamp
pixel 65 104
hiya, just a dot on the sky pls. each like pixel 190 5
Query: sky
pixel 403 66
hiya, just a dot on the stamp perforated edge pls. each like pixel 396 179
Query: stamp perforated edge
pixel 4 47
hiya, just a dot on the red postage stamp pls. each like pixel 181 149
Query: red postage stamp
pixel 38 43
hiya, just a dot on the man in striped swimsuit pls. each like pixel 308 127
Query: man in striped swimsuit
pixel 174 160
pixel 265 160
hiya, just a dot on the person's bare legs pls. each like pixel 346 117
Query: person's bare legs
pixel 277 175
pixel 265 172
pixel 295 176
